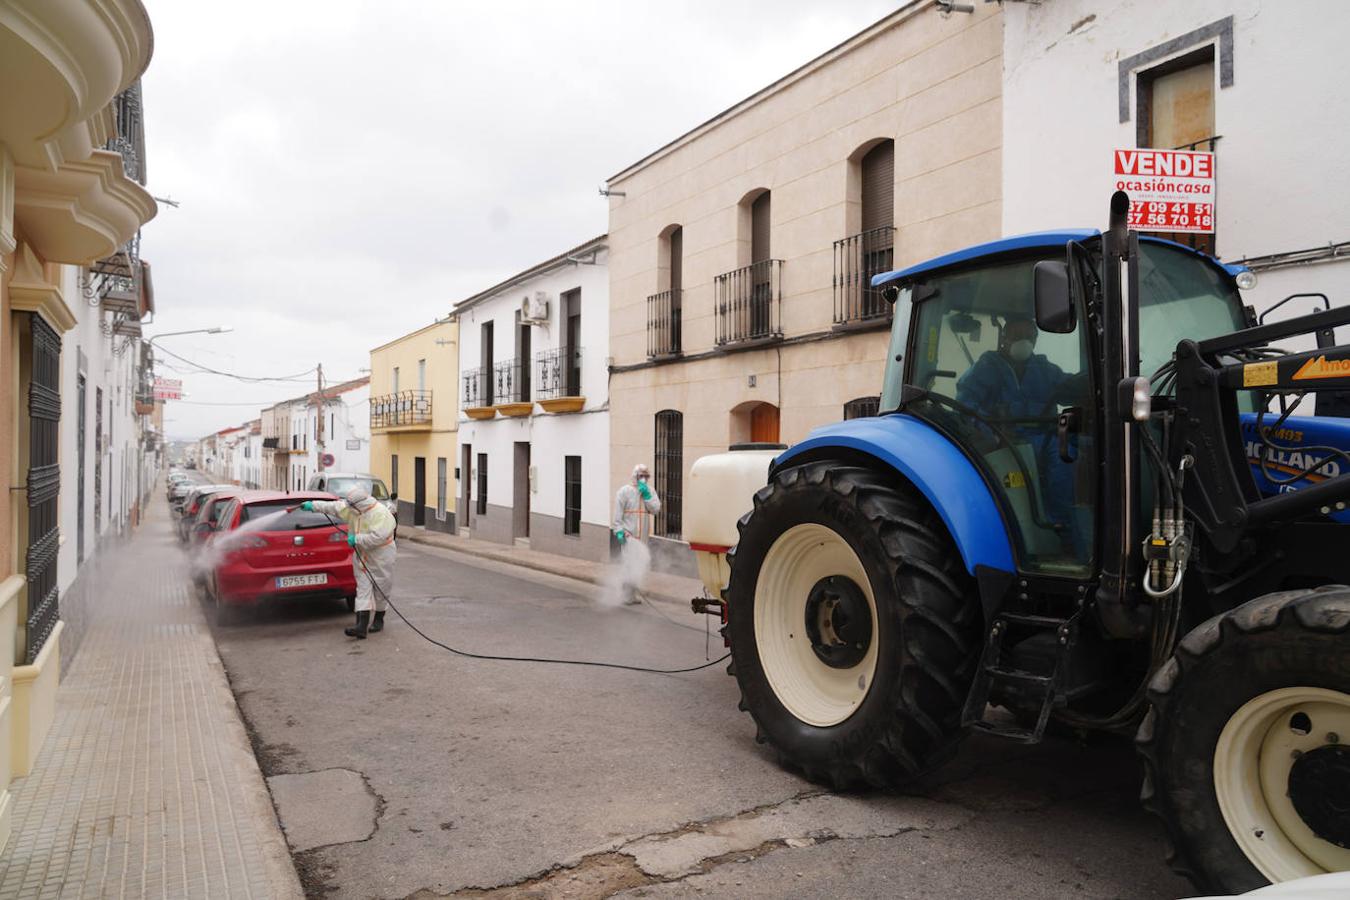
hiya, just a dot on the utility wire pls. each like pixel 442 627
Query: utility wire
pixel 299 376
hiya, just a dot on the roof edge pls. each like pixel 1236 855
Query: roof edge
pixel 595 243
pixel 855 40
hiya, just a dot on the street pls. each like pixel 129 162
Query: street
pixel 399 769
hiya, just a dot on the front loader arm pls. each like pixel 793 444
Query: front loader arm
pixel 1220 493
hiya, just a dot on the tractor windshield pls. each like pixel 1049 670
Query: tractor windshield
pixel 998 385
pixel 1180 296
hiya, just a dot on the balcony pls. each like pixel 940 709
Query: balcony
pixel 856 260
pixel 478 395
pixel 511 382
pixel 401 411
pixel 749 304
pixel 558 380
pixel 663 324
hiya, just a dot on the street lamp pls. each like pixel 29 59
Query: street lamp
pixel 218 329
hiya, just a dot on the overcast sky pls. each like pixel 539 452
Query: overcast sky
pixel 349 170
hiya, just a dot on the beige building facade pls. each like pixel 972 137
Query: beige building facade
pixel 741 252
pixel 414 417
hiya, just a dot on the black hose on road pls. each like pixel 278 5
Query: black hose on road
pixel 525 659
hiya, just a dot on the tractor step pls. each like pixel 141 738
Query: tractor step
pixel 995 673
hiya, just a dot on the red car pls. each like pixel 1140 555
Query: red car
pixel 263 549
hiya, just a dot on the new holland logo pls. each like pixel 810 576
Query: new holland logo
pixel 1323 368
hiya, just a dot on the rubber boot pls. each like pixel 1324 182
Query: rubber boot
pixel 378 623
pixel 362 625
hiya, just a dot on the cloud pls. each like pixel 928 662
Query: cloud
pixel 349 170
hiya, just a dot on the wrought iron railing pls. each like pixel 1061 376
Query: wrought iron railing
pixel 129 132
pixel 749 301
pixel 558 373
pixel 511 381
pixel 856 260
pixel 663 323
pixel 477 387
pixel 400 409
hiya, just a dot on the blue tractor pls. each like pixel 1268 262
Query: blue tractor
pixel 1088 502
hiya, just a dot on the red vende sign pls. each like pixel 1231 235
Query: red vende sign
pixel 1170 190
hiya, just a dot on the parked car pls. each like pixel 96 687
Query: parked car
pixel 339 483
pixel 203 528
pixel 177 493
pixel 260 557
pixel 192 505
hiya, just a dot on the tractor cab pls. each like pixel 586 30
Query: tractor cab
pixel 1023 395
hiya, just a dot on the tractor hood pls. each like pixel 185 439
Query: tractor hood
pixel 1301 443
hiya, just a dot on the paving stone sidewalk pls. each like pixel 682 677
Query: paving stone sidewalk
pixel 147 785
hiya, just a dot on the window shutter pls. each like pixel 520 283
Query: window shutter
pixel 878 186
pixel 759 228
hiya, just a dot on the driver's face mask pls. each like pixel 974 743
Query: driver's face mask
pixel 1020 351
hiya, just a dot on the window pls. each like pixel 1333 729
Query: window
pixel 862 407
pixel 571 495
pixel 393 474
pixel 571 311
pixel 440 488
pixel 482 484
pixel 1176 112
pixel 421 374
pixel 395 382
pixel 487 394
pixel 669 471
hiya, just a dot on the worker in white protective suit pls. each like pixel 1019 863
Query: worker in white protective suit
pixel 635 508
pixel 370 534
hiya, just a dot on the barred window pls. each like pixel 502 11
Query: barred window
pixel 482 484
pixel 669 472
pixel 572 495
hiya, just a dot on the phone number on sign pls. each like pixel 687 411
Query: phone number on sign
pixel 1172 216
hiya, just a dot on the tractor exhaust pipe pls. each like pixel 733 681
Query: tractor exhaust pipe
pixel 1119 220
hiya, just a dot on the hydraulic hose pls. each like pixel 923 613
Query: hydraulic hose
pixel 524 659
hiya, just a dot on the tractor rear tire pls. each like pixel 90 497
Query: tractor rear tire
pixel 1244 759
pixel 825 545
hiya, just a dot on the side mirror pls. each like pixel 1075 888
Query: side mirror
pixel 1054 306
pixel 393 496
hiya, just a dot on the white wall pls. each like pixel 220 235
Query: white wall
pixel 121 473
pixel 1282 183
pixel 552 437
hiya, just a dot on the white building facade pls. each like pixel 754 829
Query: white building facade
pixel 345 434
pixel 1255 83
pixel 533 444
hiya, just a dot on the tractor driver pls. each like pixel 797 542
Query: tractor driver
pixel 1017 390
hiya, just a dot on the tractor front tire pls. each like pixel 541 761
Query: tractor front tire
pixel 854 627
pixel 1246 746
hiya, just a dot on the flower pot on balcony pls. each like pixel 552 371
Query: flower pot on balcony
pixel 480 412
pixel 563 404
pixel 515 410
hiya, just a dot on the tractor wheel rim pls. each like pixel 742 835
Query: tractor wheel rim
pixel 1258 751
pixel 813 691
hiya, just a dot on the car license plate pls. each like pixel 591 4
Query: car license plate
pixel 300 580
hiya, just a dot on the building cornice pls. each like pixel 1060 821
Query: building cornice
pixel 30 291
pixel 566 258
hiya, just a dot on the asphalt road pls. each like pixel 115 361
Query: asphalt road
pixel 402 770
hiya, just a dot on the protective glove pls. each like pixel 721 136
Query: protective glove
pixel 351 540
pixel 645 491
pixel 307 506
pixel 620 535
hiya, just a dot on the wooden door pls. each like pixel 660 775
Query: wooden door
pixel 764 424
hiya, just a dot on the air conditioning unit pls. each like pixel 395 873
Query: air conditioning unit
pixel 534 310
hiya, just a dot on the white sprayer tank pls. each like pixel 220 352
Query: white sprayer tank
pixel 721 489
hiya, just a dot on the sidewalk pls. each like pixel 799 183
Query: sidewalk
pixel 657 585
pixel 147 784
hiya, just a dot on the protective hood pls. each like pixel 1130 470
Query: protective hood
pixel 359 498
